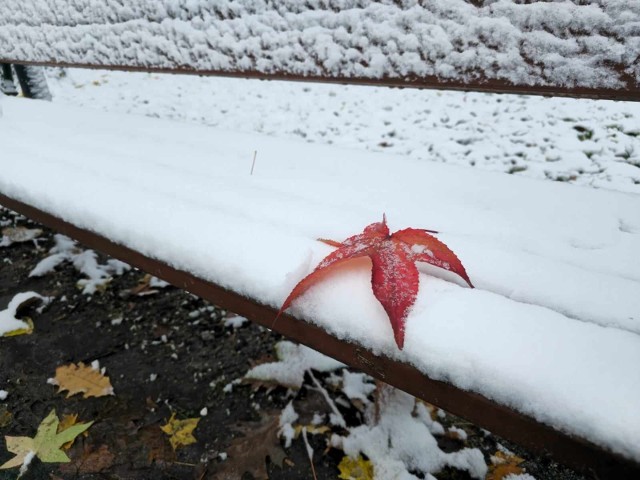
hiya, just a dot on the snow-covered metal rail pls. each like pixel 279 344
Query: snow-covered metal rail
pixel 576 48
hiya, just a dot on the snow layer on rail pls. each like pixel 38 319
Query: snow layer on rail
pixel 592 44
pixel 553 329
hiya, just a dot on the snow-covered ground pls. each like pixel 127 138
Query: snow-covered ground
pixel 586 142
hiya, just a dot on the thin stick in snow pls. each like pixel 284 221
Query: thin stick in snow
pixel 338 419
pixel 255 153
pixel 309 452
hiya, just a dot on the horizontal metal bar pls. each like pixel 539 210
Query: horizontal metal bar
pixel 501 420
pixel 479 85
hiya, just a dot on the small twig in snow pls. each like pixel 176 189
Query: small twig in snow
pixel 338 418
pixel 255 153
pixel 309 452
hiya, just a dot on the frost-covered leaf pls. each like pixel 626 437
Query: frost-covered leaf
pixel 81 378
pixel 180 431
pixel 46 445
pixel 395 278
pixel 355 469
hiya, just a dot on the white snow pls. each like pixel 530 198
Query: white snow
pixel 424 414
pixel 398 440
pixel 155 282
pixel 293 361
pixel 25 464
pixel 228 388
pixel 84 261
pixel 553 329
pixel 286 430
pixel 526 43
pixel 3 395
pixel 357 386
pixel 235 321
pixel 8 320
pixel 460 433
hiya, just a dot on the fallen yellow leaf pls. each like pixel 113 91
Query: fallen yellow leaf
pixel 45 445
pixel 355 469
pixel 65 422
pixel 83 379
pixel 311 429
pixel 504 464
pixel 27 330
pixel 180 431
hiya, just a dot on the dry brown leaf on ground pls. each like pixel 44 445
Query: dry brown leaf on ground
pixel 249 453
pixel 81 378
pixel 155 446
pixel 6 417
pixel 180 431
pixel 12 235
pixel 504 464
pixel 148 285
pixel 143 288
pixel 89 459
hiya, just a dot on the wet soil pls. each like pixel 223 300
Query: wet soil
pixel 170 353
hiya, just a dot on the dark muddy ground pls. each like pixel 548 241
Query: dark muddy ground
pixel 161 358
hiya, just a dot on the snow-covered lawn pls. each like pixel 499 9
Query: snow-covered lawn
pixel 585 142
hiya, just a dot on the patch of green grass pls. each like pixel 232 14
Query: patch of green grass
pixel 584 133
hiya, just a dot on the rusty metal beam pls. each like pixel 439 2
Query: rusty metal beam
pixel 427 82
pixel 501 420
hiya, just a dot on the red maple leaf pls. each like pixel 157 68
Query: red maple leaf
pixel 394 278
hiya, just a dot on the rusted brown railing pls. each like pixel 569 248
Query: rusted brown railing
pixel 502 421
